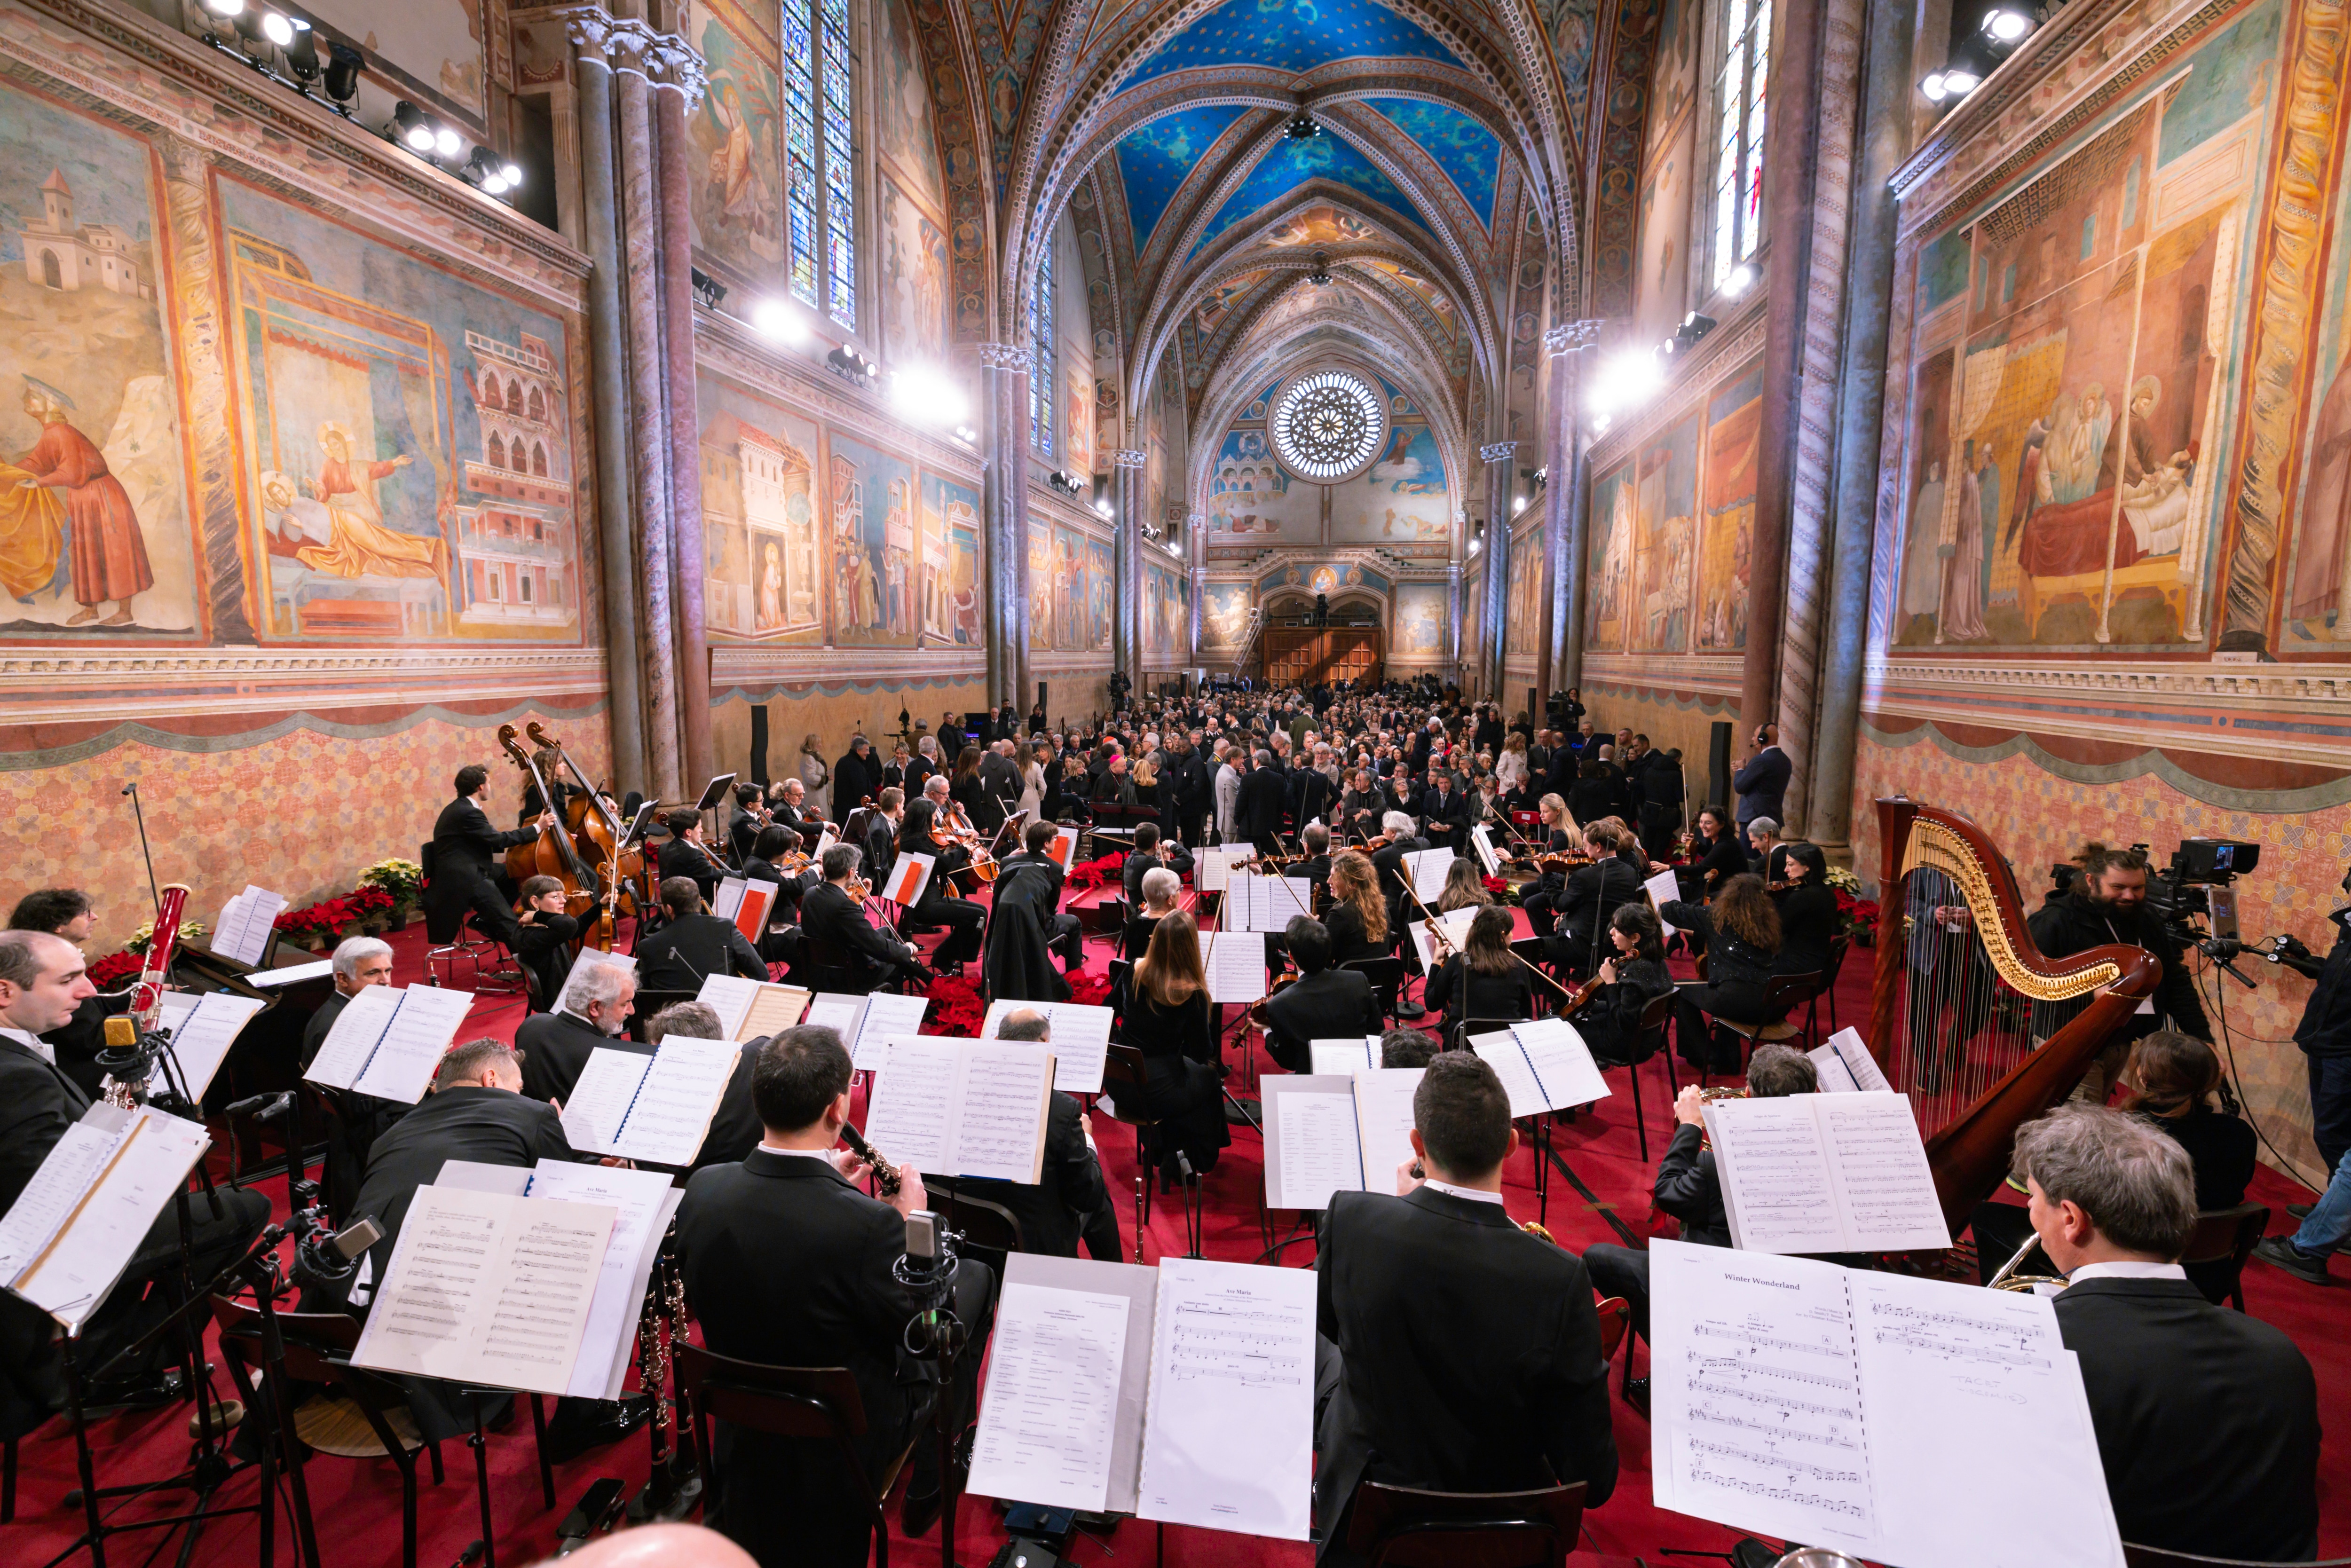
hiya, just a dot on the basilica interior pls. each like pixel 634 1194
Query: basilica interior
pixel 1961 387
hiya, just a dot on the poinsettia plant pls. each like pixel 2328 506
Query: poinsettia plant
pixel 114 968
pixel 1096 872
pixel 404 880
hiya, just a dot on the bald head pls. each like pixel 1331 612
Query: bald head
pixel 661 1546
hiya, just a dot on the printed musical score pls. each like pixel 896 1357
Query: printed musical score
pixel 1229 1436
pixel 1047 1423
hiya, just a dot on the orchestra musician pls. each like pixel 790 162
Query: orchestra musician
pixel 931 828
pixel 1591 894
pixel 1560 837
pixel 1484 982
pixel 42 984
pixel 744 823
pixel 687 856
pixel 1741 930
pixel 735 1128
pixel 1149 854
pixel 1691 1190
pixel 693 944
pixel 543 930
pixel 1161 888
pixel 1715 856
pixel 1315 841
pixel 1070 1198
pixel 775 842
pixel 1062 933
pixel 882 830
pixel 1324 1002
pixel 1358 918
pixel 1808 910
pixel 463 846
pixel 2207 1418
pixel 1513 1394
pixel 1170 1021
pixel 354 1121
pixel 1465 887
pixel 788 1262
pixel 66 912
pixel 555 1046
pixel 1632 976
pixel 835 913
pixel 793 809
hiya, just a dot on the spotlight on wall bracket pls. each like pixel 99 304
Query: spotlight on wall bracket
pixel 1686 336
pixel 852 366
pixel 1302 126
pixel 708 292
pixel 1476 535
pixel 1061 479
pixel 1321 276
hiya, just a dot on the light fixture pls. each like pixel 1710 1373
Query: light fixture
pixel 927 396
pixel 510 172
pixel 279 29
pixel 446 141
pixel 2006 23
pixel 1302 126
pixel 777 322
pixel 849 363
pixel 302 54
pixel 1741 278
pixel 1321 276
pixel 708 292
pixel 225 7
pixel 415 131
pixel 342 75
pixel 1102 506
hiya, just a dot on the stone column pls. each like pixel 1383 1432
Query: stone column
pixel 1195 524
pixel 1126 564
pixel 677 89
pixel 1860 405
pixel 1004 438
pixel 1566 508
pixel 609 400
pixel 639 258
pixel 1788 196
pixel 1494 586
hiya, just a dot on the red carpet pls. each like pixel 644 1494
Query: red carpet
pixel 357 1503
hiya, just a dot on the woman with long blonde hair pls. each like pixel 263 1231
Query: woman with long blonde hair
pixel 1168 1019
pixel 1358 919
pixel 1464 888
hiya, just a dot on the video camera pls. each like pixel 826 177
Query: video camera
pixel 2211 865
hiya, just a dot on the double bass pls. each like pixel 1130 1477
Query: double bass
pixel 552 853
pixel 620 869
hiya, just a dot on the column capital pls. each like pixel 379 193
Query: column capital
pixel 588 30
pixel 678 64
pixel 1003 357
pixel 1499 451
pixel 1123 457
pixel 1569 337
pixel 1195 520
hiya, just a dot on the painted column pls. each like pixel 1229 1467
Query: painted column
pixel 1788 196
pixel 1196 527
pixel 676 93
pixel 1126 565
pixel 1566 497
pixel 1003 435
pixel 1494 586
pixel 1861 385
pixel 639 255
pixel 609 402
pixel 1810 520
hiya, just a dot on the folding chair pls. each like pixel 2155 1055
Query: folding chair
pixel 2217 1251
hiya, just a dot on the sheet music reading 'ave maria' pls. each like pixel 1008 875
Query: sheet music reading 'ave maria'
pixel 1228 1440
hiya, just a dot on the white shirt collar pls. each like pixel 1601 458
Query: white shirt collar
pixel 33 1043
pixel 2126 1268
pixel 824 1154
pixel 1475 1194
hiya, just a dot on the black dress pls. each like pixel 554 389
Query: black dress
pixel 1464 995
pixel 1735 976
pixel 1179 1046
pixel 1348 942
pixel 1611 1022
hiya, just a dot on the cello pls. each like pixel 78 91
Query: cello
pixel 620 872
pixel 552 853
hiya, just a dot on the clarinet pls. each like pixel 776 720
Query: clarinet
pixel 885 1174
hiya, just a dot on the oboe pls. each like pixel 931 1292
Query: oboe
pixel 885 1174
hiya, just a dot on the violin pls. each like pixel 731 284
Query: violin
pixel 1259 1012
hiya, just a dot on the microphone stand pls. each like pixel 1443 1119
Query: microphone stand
pixel 936 1335
pixel 155 891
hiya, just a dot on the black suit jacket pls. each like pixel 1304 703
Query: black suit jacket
pixel 487 1126
pixel 555 1047
pixel 1762 786
pixel 37 1103
pixel 881 848
pixel 1469 1354
pixel 681 954
pixel 679 858
pixel 2206 1420
pixel 1257 812
pixel 1044 869
pixel 465 844
pixel 1175 858
pixel 82 1037
pixel 1052 1212
pixel 829 914
pixel 1689 1189
pixel 1331 1005
pixel 1445 821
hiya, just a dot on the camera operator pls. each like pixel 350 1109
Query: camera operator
pixel 2106 905
pixel 2325 1032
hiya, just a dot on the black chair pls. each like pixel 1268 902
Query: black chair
pixel 829 967
pixel 1827 987
pixel 1403 1527
pixel 985 1224
pixel 1127 1085
pixel 2216 1253
pixel 1386 976
pixel 2157 1557
pixel 1782 994
pixel 816 1402
pixel 318 1347
pixel 1656 1018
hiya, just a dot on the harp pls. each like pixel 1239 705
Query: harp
pixel 1968 1017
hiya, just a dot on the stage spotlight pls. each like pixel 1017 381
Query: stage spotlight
pixel 708 292
pixel 447 143
pixel 777 322
pixel 278 29
pixel 1741 280
pixel 415 131
pixel 302 54
pixel 342 75
pixel 225 7
pixel 510 172
pixel 2006 23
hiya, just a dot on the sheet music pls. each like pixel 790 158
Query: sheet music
pixel 1383 1121
pixel 1561 1061
pixel 886 1017
pixel 1343 1056
pixel 487 1290
pixel 1844 1064
pixel 82 1222
pixel 839 1012
pixel 1235 965
pixel 1063 851
pixel 1210 869
pixel 292 974
pixel 730 996
pixel 1481 841
pixel 1885 1189
pixel 728 898
pixel 643 1202
pixel 1238 912
pixel 1430 870
pixel 600 1099
pixel 1047 1418
pixel 775 1009
pixel 758 897
pixel 958 1107
pixel 1508 1058
pixel 246 923
pixel 1080 1043
pixel 1229 1438
pixel 1792 1397
pixel 1774 1159
pixel 1454 923
pixel 228 925
pixel 66 1174
pixel 910 1114
pixel 1663 888
pixel 1278 899
pixel 202 1035
pixel 675 1100
pixel 402 1066
pixel 1310 1136
pixel 909 876
pixel 351 1038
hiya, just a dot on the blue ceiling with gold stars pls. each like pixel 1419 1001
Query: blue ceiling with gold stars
pixel 1295 36
pixel 1470 155
pixel 1290 164
pixel 1154 161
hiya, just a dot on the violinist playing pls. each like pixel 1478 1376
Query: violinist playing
pixel 1358 916
pixel 1632 976
pixel 1557 844
pixel 834 912
pixel 687 856
pixel 1483 981
pixel 1323 1003
pixel 932 829
pixel 544 931
pixel 749 816
pixel 694 944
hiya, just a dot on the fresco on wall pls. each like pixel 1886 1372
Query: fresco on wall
pixel 90 362
pixel 1422 619
pixel 1166 613
pixel 1400 498
pixel 1647 541
pixel 1224 614
pixel 2070 414
pixel 1251 496
pixel 947 582
pixel 436 42
pixel 2317 610
pixel 914 281
pixel 1066 586
pixel 1078 408
pixel 764 576
pixel 409 440
pixel 1524 596
pixel 1040 586
pixel 904 111
pixel 1574 30
pixel 870 546
pixel 1321 226
pixel 734 205
pixel 1734 422
pixel 1101 583
pixel 1661 274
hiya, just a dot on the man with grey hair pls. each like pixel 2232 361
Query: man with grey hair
pixel 1762 838
pixel 595 1012
pixel 1069 1197
pixel 354 1121
pixel 831 914
pixel 360 962
pixel 2207 1420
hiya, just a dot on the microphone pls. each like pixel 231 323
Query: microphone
pixel 263 1107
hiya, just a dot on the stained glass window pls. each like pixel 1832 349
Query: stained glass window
pixel 1041 370
pixel 799 150
pixel 820 157
pixel 1739 143
pixel 1328 425
pixel 840 166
